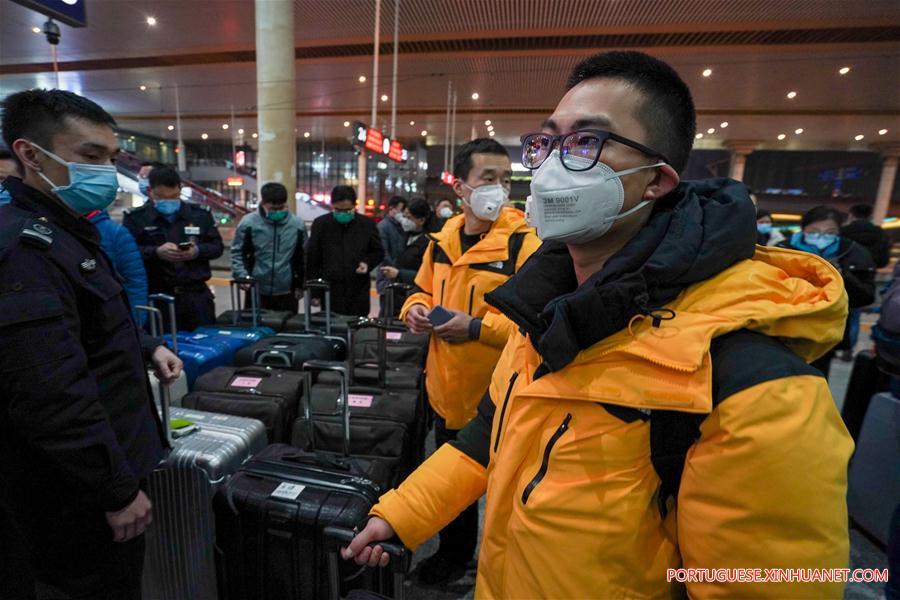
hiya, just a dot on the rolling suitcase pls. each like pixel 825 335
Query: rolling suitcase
pixel 242 316
pixel 404 347
pixel 378 370
pixel 338 537
pixel 270 395
pixel 271 515
pixel 382 423
pixel 874 479
pixel 205 449
pixel 291 350
pixel 325 321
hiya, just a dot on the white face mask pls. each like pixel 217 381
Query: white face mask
pixel 406 223
pixel 487 200
pixel 575 207
pixel 445 213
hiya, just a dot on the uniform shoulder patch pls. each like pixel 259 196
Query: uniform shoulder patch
pixel 37 234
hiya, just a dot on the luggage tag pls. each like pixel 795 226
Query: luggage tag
pixel 287 491
pixel 393 336
pixel 360 400
pixel 245 382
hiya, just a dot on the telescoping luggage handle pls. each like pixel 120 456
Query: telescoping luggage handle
pixel 313 366
pixel 156 325
pixel 381 359
pixel 316 284
pixel 335 537
pixel 236 305
pixel 392 290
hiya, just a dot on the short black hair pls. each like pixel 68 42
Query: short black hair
pixel 419 208
pixel 667 110
pixel 822 213
pixel 462 160
pixel 861 211
pixel 273 193
pixel 396 201
pixel 37 115
pixel 761 213
pixel 164 175
pixel 342 193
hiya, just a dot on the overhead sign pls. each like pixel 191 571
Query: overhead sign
pixel 234 181
pixel 70 12
pixel 375 141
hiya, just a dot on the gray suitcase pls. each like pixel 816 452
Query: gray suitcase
pixel 874 481
pixel 207 448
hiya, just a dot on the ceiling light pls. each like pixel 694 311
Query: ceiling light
pixel 306 134
pixel 781 136
pixel 225 126
pixel 143 88
pixel 791 95
pixel 491 133
pixel 488 122
pixel 240 132
pixel 882 131
pixel 346 123
pixel 711 130
pixel 723 124
pixel 362 78
pixel 844 70
pixel 412 122
pixel 424 133
pixel 35 29
pixel 699 136
pixel 255 135
pixel 707 72
pixel 204 136
pixel 171 128
pixel 859 137
pixel 475 96
pixel 384 97
pixel 798 131
pixel 151 21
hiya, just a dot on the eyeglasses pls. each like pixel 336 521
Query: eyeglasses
pixel 578 151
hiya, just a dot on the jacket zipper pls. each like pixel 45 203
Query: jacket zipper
pixel 545 463
pixel 512 382
pixel 443 283
pixel 471 299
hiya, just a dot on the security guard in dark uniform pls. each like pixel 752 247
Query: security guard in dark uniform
pixel 177 240
pixel 78 430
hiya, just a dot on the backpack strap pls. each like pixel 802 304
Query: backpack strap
pixel 740 360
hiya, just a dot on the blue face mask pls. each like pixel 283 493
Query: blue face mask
pixel 91 187
pixel 819 240
pixel 764 228
pixel 5 196
pixel 167 207
pixel 144 185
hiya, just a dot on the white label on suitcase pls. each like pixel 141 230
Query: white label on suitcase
pixel 360 400
pixel 393 336
pixel 288 491
pixel 246 382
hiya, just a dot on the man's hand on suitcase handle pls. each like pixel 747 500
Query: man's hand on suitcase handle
pixel 166 365
pixel 376 530
pixel 133 520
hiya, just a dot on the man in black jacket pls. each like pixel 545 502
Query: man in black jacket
pixel 344 247
pixel 868 235
pixel 177 240
pixel 78 429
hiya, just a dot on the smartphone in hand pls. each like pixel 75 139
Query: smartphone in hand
pixel 439 315
pixel 184 245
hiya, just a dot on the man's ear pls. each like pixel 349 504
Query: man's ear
pixel 665 180
pixel 458 188
pixel 27 154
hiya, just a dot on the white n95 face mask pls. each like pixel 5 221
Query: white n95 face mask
pixel 575 207
pixel 486 201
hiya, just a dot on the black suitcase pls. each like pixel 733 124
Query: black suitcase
pixel 291 350
pixel 378 370
pixel 325 321
pixel 271 517
pixel 338 537
pixel 403 346
pixel 866 380
pixel 270 395
pixel 242 316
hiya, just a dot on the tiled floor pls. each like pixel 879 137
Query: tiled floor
pixel 863 553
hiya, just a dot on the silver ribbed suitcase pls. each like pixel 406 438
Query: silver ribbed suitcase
pixel 206 449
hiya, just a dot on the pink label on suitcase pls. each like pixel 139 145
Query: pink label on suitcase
pixel 246 382
pixel 393 336
pixel 360 400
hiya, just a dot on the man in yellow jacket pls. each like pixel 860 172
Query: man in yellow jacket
pixel 473 254
pixel 655 410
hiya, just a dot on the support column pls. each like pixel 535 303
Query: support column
pixel 277 159
pixel 742 149
pixel 886 183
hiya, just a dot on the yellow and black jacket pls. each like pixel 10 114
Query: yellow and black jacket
pixel 457 374
pixel 661 415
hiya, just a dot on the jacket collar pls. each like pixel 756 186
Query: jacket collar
pixel 33 200
pixel 494 244
pixel 700 229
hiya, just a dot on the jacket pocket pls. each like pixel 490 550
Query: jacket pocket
pixel 512 383
pixel 545 462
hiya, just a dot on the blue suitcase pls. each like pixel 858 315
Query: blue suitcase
pixel 237 336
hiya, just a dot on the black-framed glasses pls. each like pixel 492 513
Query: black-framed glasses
pixel 578 151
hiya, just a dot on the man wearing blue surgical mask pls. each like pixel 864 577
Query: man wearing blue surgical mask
pixel 177 240
pixel 79 432
pixel 7 168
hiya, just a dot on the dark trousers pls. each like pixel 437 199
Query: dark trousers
pixel 459 538
pixel 192 309
pixel 280 302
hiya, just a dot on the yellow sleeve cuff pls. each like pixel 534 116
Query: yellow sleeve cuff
pixel 419 298
pixel 496 329
pixel 435 494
